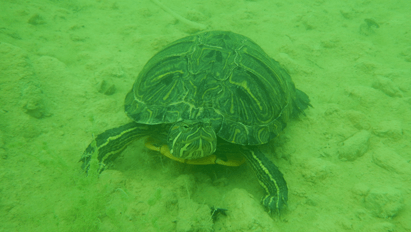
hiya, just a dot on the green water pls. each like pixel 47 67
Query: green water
pixel 66 66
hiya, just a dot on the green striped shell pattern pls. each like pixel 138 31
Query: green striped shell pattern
pixel 218 77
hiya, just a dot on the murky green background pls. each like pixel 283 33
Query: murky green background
pixel 66 66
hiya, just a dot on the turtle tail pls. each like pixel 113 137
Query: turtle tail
pixel 302 102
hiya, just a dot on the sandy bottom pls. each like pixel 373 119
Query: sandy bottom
pixel 66 66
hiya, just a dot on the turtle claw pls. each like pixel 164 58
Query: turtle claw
pixel 274 204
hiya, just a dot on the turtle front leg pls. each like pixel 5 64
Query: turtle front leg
pixel 270 178
pixel 109 144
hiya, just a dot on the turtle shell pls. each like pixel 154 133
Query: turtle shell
pixel 219 77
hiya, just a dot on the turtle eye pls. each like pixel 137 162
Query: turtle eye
pixel 185 126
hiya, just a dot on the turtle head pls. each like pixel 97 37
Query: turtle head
pixel 192 139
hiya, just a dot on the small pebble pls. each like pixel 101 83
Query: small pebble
pixel 185 186
pixel 365 95
pixel 316 169
pixel 358 119
pixel 355 146
pixel 391 161
pixel 384 202
pixel 406 54
pixel 360 190
pixel 36 20
pixel 33 99
pixel 387 86
pixel 368 27
pixel 193 216
pixel 106 87
pixel 246 213
pixel 389 129
pixel 383 227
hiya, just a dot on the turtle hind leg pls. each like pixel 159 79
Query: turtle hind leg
pixel 109 144
pixel 270 178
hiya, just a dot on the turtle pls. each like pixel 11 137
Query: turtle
pixel 204 99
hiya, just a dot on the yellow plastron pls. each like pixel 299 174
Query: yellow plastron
pixel 233 159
